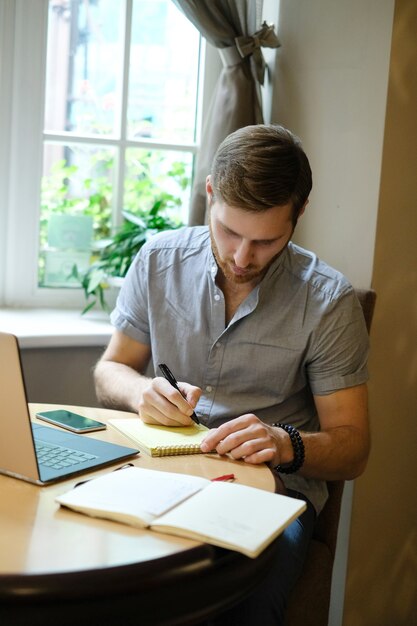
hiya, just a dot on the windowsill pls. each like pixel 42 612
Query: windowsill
pixel 56 328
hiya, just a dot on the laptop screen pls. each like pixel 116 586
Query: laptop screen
pixel 63 453
pixel 17 453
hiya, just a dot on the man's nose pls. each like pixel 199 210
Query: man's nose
pixel 243 254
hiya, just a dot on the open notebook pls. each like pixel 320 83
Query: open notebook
pixel 162 440
pixel 227 515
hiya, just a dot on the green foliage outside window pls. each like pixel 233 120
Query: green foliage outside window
pixel 93 200
pixel 148 208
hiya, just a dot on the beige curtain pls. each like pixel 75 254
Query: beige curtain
pixel 232 26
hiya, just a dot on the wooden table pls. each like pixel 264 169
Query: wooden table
pixel 52 560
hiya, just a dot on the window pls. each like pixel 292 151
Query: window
pixel 104 115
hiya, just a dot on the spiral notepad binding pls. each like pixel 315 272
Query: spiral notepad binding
pixel 175 450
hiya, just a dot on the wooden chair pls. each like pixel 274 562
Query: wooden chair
pixel 310 600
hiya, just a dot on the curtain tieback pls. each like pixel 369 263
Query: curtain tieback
pixel 247 45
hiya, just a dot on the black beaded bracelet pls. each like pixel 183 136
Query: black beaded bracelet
pixel 298 447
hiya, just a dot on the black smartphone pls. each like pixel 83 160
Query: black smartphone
pixel 71 421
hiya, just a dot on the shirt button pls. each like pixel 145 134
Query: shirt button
pixel 217 297
pixel 209 388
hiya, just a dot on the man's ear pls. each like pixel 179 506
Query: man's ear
pixel 209 190
pixel 303 208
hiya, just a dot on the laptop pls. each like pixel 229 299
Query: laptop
pixel 21 440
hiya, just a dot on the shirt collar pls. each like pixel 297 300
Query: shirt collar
pixel 212 266
pixel 276 266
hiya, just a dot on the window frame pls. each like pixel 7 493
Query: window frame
pixel 23 40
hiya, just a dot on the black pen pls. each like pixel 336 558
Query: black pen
pixel 166 373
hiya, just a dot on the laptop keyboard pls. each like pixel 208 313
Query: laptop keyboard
pixel 58 457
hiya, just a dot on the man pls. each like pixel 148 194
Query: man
pixel 270 342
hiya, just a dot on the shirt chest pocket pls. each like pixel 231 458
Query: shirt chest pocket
pixel 269 367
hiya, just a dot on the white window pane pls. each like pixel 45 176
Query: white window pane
pixel 163 77
pixel 45 99
pixel 84 61
pixel 76 205
pixel 86 186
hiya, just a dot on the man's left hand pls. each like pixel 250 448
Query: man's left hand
pixel 249 439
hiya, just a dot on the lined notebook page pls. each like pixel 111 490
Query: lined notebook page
pixel 162 440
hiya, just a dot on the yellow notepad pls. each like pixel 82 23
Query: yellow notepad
pixel 162 440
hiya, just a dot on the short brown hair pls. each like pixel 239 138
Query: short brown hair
pixel 262 166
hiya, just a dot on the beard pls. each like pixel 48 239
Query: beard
pixel 239 276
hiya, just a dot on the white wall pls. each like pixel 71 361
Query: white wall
pixel 330 86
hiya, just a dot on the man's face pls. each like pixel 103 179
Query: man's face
pixel 246 243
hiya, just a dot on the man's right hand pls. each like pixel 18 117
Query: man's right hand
pixel 121 383
pixel 162 404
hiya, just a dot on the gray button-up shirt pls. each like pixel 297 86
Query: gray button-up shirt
pixel 300 332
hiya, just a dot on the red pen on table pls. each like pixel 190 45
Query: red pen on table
pixel 225 477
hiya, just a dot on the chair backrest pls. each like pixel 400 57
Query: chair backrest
pixel 367 298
